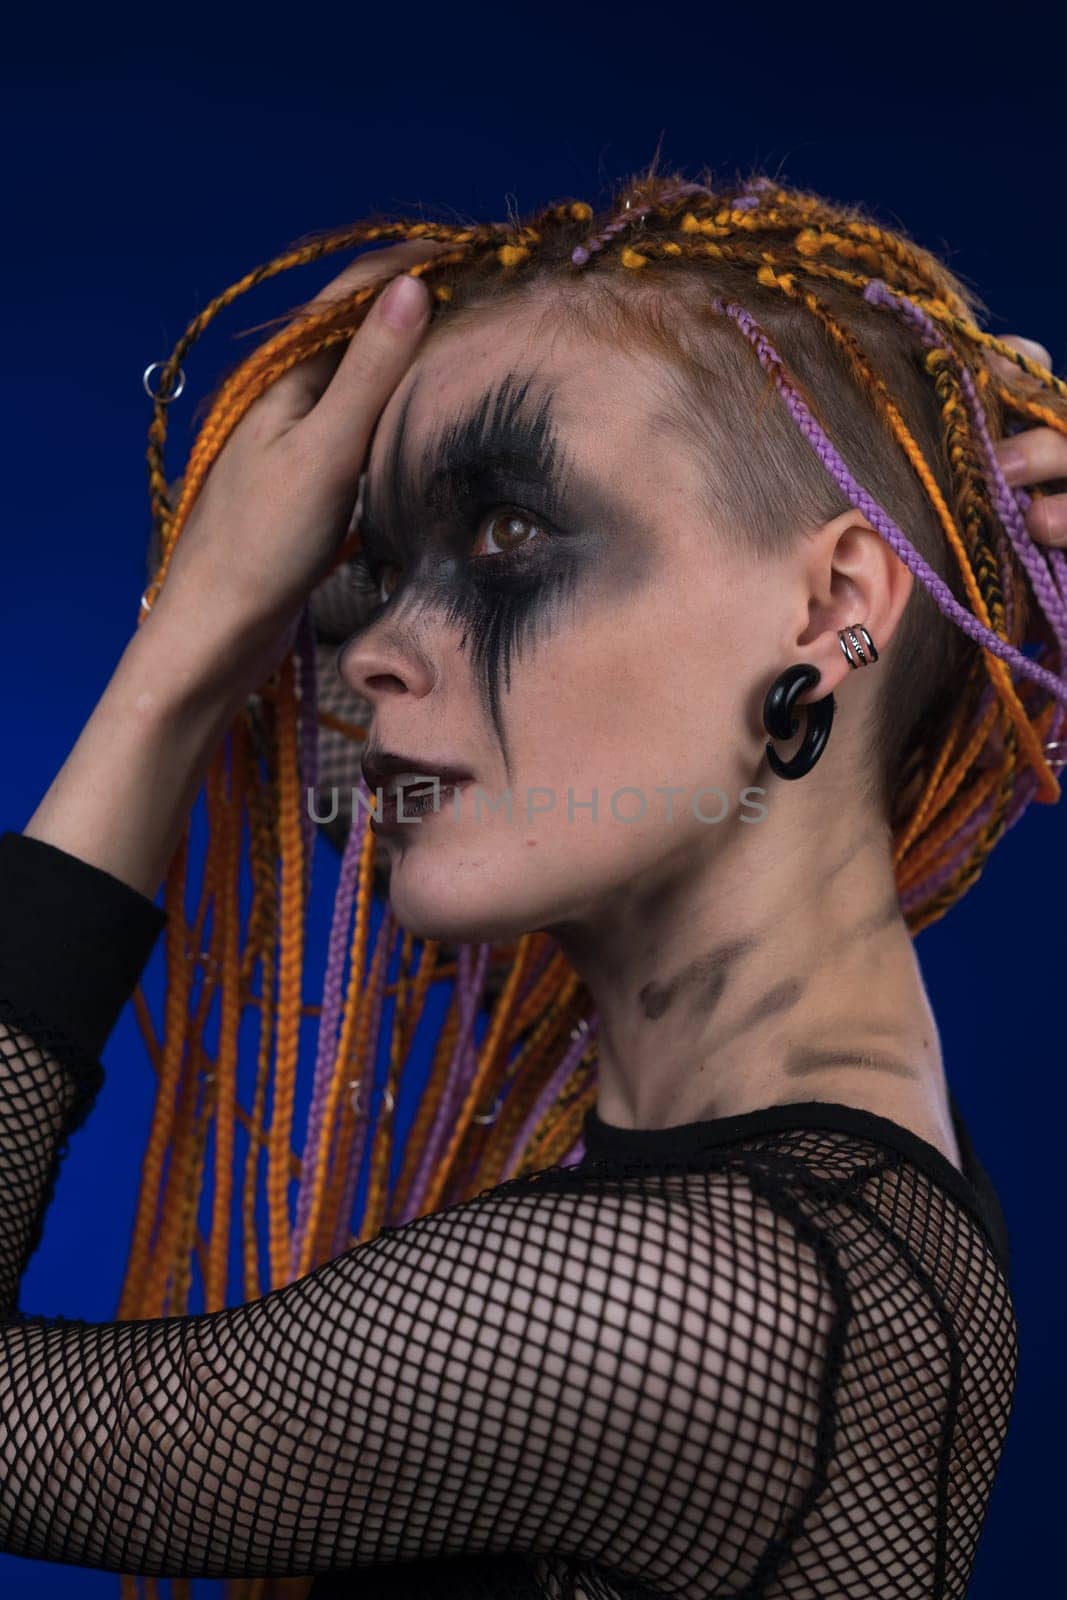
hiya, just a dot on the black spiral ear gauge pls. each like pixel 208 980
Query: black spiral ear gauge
pixel 781 720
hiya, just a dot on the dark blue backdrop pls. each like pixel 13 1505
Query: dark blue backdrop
pixel 146 168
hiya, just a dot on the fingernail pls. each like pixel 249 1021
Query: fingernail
pixel 1035 351
pixel 1047 520
pixel 404 302
pixel 1012 461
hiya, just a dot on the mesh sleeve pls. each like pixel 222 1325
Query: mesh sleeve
pixel 785 1369
pixel 591 1368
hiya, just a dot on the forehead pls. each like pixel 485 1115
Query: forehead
pixel 599 400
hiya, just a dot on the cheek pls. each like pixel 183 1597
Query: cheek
pixel 582 706
pixel 648 682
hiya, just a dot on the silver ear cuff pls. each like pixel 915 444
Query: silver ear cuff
pixel 856 656
pixel 852 649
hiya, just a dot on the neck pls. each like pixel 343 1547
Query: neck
pixel 775 967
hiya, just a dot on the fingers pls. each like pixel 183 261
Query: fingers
pixel 1037 455
pixel 292 396
pixel 1047 520
pixel 1009 372
pixel 1034 456
pixel 339 427
pixel 373 264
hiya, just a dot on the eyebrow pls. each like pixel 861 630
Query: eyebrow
pixel 505 437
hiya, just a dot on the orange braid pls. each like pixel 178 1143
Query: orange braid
pixel 353 1004
pixel 289 976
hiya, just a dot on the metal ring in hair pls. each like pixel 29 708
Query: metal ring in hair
pixel 491 1116
pixel 163 399
pixel 356 1099
pixel 780 720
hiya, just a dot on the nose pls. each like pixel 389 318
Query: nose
pixel 383 660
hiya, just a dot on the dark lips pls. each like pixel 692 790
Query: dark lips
pixel 378 769
pixel 389 819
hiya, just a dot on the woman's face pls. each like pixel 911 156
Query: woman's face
pixel 561 622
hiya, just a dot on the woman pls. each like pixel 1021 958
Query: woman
pixel 635 496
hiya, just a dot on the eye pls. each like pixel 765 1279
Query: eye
pixel 508 529
pixel 388 576
pixel 374 579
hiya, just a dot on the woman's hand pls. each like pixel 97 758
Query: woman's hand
pixel 1037 455
pixel 277 502
pixel 270 518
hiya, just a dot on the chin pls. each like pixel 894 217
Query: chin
pixel 458 898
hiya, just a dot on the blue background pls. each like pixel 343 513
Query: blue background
pixel 147 166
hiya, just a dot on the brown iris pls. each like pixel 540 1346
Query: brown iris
pixel 507 529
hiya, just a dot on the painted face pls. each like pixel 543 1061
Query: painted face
pixel 555 617
pixel 474 524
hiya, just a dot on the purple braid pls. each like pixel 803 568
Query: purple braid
pixel 581 253
pixel 1050 582
pixel 876 515
pixel 389 935
pixel 469 987
pixel 314 1151
pixel 549 1094
pixel 931 882
pixel 309 736
pixel 749 198
pixel 1051 587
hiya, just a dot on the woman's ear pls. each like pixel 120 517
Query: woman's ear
pixel 853 575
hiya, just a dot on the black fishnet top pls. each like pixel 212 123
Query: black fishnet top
pixel 766 1355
